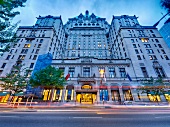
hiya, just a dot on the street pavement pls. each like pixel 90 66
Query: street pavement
pixel 86 117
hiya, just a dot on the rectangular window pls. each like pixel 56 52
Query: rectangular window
pixel 132 40
pixel 39 46
pixel 100 53
pixel 149 51
pixel 24 51
pixel 163 51
pixel 122 72
pixel 37 51
pixel 71 71
pixel 134 46
pixel 151 31
pixel 41 41
pixel 136 51
pixel 153 35
pixel 152 57
pixel 32 65
pixel 159 71
pixel 73 53
pixel 166 57
pixel 144 39
pixel 21 57
pixel 138 56
pixel 27 45
pixel 3 65
pixel 101 71
pixel 8 57
pixel 112 72
pixel 159 45
pixel 147 45
pixel 156 40
pixel 145 74
pixel 86 72
pixel 35 57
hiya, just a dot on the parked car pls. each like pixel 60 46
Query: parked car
pixel 128 102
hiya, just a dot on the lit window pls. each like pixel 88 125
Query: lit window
pixel 101 71
pixel 27 45
pixel 144 39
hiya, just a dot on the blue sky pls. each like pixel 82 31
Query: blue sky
pixel 148 11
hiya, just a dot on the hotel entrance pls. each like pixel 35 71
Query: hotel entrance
pixel 86 95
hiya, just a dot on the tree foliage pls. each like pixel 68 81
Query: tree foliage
pixel 166 5
pixel 16 80
pixel 49 76
pixel 154 87
pixel 7 29
pixel 151 85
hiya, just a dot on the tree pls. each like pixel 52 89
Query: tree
pixel 16 80
pixel 166 5
pixel 48 77
pixel 7 29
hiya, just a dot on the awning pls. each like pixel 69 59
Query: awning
pixel 87 91
pixel 19 94
pixel 3 93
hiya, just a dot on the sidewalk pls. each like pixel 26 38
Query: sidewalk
pixel 72 105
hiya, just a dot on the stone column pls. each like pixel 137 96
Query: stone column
pixel 74 95
pixel 98 96
pixel 121 94
pixel 63 95
pixel 134 94
pixel 110 95
pixel 143 96
pixel 163 99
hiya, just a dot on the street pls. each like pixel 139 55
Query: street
pixel 158 117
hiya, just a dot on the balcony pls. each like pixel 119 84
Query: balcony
pixel 86 79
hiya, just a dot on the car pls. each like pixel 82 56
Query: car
pixel 128 102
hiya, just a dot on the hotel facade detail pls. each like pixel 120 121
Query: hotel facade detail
pixel 106 62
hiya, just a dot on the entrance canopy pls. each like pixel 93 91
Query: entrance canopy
pixel 102 87
pixel 125 86
pixel 86 91
pixel 114 86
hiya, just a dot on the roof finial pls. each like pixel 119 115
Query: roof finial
pixel 87 12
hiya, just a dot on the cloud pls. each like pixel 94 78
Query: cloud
pixel 148 11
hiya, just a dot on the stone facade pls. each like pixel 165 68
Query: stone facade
pixel 97 55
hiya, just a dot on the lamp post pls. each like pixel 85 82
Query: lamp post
pixel 101 75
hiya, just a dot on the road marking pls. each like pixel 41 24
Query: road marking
pixel 64 110
pixel 87 117
pixel 162 116
pixel 9 116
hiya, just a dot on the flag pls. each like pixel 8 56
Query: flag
pixel 127 75
pixel 68 76
pixel 104 77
